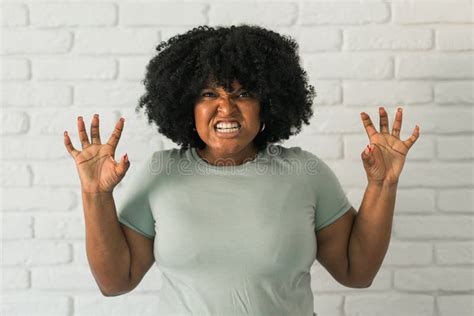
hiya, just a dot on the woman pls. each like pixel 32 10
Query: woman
pixel 239 219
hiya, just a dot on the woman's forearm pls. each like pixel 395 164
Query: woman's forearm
pixel 106 246
pixel 371 232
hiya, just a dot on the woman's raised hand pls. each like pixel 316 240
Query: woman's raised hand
pixel 384 159
pixel 98 171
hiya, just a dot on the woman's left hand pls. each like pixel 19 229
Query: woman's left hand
pixel 384 159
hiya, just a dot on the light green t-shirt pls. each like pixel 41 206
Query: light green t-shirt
pixel 233 240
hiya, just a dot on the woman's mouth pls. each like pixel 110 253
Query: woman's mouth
pixel 228 131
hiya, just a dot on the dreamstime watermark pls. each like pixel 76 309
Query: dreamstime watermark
pixel 269 162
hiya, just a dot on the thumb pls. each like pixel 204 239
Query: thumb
pixel 367 156
pixel 123 166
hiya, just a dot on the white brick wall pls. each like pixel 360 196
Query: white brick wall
pixel 61 59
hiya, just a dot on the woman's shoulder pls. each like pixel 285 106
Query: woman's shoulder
pixel 291 152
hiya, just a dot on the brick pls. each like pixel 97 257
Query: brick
pixel 165 13
pixel 28 41
pixel 327 92
pixel 15 175
pixel 415 200
pixel 119 41
pixel 14 122
pixel 59 227
pixel 458 304
pixel 15 69
pixel 167 31
pixel 457 92
pixel 392 304
pixel 308 38
pixel 455 147
pixel 114 95
pixel 328 304
pixel 456 200
pixel 132 68
pixel 56 121
pixel 14 278
pixel 434 279
pixel 456 38
pixel 409 254
pixel 278 13
pixel 440 227
pixel 386 93
pixel 14 14
pixel 36 304
pixel 15 226
pixel 415 12
pixel 452 120
pixel 56 174
pixel 439 66
pixel 36 94
pixel 75 68
pixel 387 38
pixel 456 252
pixel 73 14
pixel 348 66
pixel 32 147
pixel 63 277
pixel 35 252
pixel 344 13
pixel 39 199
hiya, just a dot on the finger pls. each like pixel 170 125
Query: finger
pixel 412 139
pixel 123 166
pixel 369 127
pixel 115 137
pixel 95 136
pixel 397 124
pixel 383 120
pixel 82 132
pixel 70 148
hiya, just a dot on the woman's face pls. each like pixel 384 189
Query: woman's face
pixel 214 104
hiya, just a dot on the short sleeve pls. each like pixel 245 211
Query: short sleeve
pixel 331 200
pixel 134 209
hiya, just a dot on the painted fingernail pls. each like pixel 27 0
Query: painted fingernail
pixel 122 119
pixel 79 118
pixel 399 109
pixel 125 157
pixel 96 115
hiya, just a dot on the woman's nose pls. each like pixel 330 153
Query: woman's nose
pixel 226 104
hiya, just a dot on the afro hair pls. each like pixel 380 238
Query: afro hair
pixel 264 62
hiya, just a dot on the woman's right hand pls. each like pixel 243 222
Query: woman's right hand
pixel 98 171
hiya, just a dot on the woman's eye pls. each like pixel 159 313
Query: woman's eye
pixel 245 93
pixel 206 93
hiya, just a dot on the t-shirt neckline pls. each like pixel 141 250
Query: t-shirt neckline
pixel 242 167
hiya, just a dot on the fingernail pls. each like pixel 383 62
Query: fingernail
pixel 65 133
pixel 96 115
pixel 399 109
pixel 366 150
pixel 125 157
pixel 79 117
pixel 122 119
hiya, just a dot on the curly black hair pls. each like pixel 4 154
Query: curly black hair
pixel 264 62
